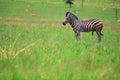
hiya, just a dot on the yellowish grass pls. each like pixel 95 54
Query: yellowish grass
pixel 3 54
pixel 118 20
pixel 27 9
pixel 22 50
pixel 10 54
pixel 0 18
pixel 105 8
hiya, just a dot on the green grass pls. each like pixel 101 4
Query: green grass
pixel 39 47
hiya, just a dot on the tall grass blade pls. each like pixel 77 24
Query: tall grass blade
pixel 21 50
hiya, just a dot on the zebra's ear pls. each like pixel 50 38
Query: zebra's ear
pixel 67 13
pixel 74 16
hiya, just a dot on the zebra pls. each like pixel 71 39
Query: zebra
pixel 83 25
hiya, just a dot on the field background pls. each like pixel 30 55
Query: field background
pixel 34 45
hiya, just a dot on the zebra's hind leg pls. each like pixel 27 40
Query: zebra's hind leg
pixel 77 35
pixel 92 32
pixel 99 36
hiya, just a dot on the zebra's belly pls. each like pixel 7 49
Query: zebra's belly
pixel 86 30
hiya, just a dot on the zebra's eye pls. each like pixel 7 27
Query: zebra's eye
pixel 67 19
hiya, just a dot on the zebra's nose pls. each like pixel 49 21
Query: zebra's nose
pixel 63 23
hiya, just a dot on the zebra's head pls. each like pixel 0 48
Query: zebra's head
pixel 69 16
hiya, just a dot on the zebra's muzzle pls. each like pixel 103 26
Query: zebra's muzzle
pixel 64 23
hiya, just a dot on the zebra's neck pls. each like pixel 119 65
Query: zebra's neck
pixel 72 23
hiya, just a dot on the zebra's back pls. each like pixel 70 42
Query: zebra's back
pixel 89 25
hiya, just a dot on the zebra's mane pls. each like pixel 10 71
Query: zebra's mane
pixel 72 15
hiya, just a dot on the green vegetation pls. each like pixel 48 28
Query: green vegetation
pixel 34 45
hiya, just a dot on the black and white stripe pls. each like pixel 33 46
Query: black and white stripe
pixel 83 25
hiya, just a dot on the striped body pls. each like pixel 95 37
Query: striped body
pixel 83 25
pixel 87 25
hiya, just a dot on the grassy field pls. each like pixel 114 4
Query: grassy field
pixel 34 45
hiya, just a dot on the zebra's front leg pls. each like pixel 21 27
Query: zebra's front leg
pixel 77 34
